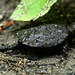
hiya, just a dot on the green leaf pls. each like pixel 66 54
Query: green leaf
pixel 31 9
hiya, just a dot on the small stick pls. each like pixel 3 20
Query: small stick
pixel 24 62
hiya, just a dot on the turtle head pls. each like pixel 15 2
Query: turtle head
pixel 71 28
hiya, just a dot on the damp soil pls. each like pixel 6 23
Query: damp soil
pixel 18 59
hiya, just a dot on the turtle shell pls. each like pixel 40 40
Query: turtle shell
pixel 43 36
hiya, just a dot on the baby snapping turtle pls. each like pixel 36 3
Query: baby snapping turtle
pixel 44 36
pixel 48 35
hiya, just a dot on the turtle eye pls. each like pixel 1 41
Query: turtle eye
pixel 74 26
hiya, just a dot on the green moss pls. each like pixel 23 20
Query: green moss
pixel 60 13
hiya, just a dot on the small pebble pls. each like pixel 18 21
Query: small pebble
pixel 1 17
